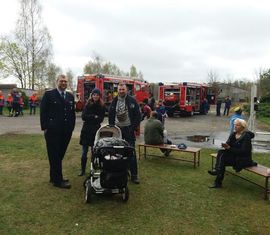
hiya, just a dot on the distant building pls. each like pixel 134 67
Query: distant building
pixel 7 88
pixel 236 94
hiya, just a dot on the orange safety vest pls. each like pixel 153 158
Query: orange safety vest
pixel 2 99
pixel 9 101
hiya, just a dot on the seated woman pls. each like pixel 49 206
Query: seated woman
pixel 236 152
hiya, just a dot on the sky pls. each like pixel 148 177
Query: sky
pixel 167 40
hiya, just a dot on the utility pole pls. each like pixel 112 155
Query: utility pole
pixel 252 115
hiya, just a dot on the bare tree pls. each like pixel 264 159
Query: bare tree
pixel 213 82
pixel 28 53
pixel 70 77
pixel 52 72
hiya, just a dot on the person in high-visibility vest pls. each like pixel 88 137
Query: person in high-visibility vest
pixel 2 102
pixel 9 104
pixel 33 102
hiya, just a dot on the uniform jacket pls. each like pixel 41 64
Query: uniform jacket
pixel 153 131
pixel 93 116
pixel 133 111
pixel 57 114
pixel 241 149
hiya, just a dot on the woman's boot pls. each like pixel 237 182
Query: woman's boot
pixel 83 166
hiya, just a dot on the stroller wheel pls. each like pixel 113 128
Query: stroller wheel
pixel 85 182
pixel 125 194
pixel 88 192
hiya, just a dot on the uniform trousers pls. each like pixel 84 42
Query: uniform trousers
pixel 57 143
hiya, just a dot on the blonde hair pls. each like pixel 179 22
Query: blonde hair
pixel 242 122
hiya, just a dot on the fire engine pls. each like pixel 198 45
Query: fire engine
pixel 107 84
pixel 183 98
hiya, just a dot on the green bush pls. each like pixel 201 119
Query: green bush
pixel 265 99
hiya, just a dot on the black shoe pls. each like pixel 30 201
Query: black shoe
pixel 167 152
pixel 63 184
pixel 64 180
pixel 213 172
pixel 135 179
pixel 215 185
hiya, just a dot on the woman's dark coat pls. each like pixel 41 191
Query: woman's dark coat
pixel 241 149
pixel 93 116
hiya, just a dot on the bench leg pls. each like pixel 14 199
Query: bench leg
pixel 194 160
pixel 266 190
pixel 144 152
pixel 199 157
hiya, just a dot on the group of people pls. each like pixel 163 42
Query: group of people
pixel 15 103
pixel 227 106
pixel 57 118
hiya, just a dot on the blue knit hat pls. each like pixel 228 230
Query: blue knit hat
pixel 96 91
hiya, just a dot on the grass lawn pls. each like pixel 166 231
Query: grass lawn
pixel 265 120
pixel 173 197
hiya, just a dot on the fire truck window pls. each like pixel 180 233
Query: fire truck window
pixel 88 87
pixel 129 88
pixel 138 87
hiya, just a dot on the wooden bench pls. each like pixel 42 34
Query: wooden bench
pixel 195 151
pixel 258 170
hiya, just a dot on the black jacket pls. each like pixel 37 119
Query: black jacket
pixel 134 112
pixel 57 114
pixel 93 116
pixel 242 149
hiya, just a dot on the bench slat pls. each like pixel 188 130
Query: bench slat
pixel 259 170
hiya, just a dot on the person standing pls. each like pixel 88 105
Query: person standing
pixel 92 116
pixel 125 113
pixel 237 114
pixel 2 102
pixel 152 101
pixel 33 102
pixel 218 107
pixel 15 103
pixel 161 111
pixel 9 104
pixel 57 119
pixel 227 107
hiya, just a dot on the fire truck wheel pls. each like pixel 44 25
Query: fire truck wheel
pixel 191 113
pixel 170 114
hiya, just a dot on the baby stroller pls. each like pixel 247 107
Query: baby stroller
pixel 109 164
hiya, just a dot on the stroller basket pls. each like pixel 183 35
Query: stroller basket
pixel 113 159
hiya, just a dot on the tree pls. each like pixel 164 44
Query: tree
pixel 133 71
pixel 264 83
pixel 98 65
pixel 70 78
pixel 52 73
pixel 27 54
pixel 213 82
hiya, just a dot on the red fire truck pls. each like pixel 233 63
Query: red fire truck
pixel 183 98
pixel 108 86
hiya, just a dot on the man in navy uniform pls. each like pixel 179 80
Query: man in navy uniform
pixel 57 119
pixel 125 113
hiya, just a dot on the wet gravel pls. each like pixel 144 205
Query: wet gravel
pixel 216 129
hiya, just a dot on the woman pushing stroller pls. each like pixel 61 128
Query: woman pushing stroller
pixel 92 116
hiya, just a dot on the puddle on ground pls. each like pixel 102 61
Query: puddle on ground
pixel 198 138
